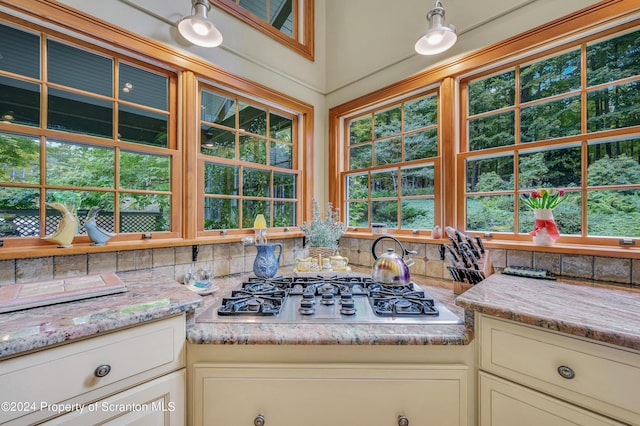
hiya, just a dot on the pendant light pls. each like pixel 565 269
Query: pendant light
pixel 197 28
pixel 439 37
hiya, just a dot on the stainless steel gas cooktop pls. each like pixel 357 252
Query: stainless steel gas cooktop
pixel 353 300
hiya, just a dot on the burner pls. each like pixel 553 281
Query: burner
pixel 404 305
pixel 329 300
pixel 251 305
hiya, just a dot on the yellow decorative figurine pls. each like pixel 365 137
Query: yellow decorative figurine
pixel 67 227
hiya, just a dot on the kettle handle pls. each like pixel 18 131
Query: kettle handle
pixel 404 250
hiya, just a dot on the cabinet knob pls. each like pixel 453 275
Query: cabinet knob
pixel 259 420
pixel 566 372
pixel 402 420
pixel 102 370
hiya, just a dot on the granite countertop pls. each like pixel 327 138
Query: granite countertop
pixel 331 334
pixel 586 309
pixel 150 296
pixel 602 313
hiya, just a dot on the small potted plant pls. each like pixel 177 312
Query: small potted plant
pixel 322 234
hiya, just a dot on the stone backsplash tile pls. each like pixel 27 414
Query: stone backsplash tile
pixel 69 266
pixel 126 261
pixel 164 257
pixel 234 258
pixel 7 271
pixel 498 258
pixel 183 255
pixel 635 272
pixel 102 262
pixel 612 269
pixel 549 261
pixel 519 258
pixel 144 259
pixel 577 266
pixel 221 251
pixel 34 269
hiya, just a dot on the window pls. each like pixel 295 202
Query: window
pixel 392 158
pixel 248 162
pixel 80 133
pixel 289 22
pixel 568 120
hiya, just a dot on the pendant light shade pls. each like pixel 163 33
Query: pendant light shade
pixel 439 36
pixel 197 28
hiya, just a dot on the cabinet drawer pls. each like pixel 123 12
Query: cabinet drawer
pixel 503 403
pixel 597 377
pixel 37 384
pixel 315 395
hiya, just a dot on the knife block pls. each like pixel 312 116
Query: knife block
pixel 466 278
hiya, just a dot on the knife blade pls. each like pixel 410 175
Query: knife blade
pixel 452 254
pixel 469 252
pixel 475 251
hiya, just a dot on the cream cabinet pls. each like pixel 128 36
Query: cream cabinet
pixel 338 385
pixel 47 384
pixel 568 378
pixel 159 402
pixel 320 395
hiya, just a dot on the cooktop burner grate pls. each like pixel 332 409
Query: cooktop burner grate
pixel 328 300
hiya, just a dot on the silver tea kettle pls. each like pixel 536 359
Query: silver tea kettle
pixel 390 268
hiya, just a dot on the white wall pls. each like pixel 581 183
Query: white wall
pixel 370 42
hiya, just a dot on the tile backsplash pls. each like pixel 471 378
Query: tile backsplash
pixel 235 258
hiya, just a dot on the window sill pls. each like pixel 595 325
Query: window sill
pixel 630 252
pixel 11 251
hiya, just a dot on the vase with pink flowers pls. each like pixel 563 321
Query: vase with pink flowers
pixel 542 202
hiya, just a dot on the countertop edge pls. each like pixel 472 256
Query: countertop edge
pixel 492 297
pixel 23 346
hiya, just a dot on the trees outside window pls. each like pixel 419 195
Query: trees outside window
pixel 248 155
pixel 93 130
pixel 392 155
pixel 568 120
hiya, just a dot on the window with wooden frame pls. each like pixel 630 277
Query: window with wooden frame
pixel 566 119
pixel 87 128
pixel 391 158
pixel 289 22
pixel 247 163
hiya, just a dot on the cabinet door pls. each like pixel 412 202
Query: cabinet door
pixel 158 402
pixel 503 403
pixel 337 395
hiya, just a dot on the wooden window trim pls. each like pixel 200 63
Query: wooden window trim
pixel 304 48
pixel 67 20
pixel 582 139
pixel 203 158
pixel 43 133
pixel 601 15
pixel 435 161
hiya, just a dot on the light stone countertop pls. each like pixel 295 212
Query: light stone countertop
pixel 150 296
pixel 604 313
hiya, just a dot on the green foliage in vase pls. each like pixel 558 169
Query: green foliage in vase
pixel 323 232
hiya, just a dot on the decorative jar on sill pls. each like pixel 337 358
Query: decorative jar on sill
pixel 546 230
pixel 542 202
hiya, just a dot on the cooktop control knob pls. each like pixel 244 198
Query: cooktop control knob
pixel 307 307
